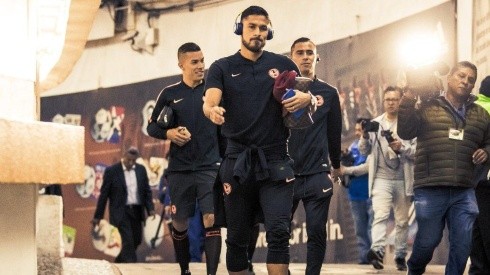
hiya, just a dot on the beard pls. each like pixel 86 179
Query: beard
pixel 255 45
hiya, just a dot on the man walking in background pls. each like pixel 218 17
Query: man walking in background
pixel 125 185
pixel 453 135
pixel 390 179
pixel 356 180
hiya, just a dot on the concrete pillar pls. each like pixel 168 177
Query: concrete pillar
pixel 49 237
pixel 18 229
pixel 33 153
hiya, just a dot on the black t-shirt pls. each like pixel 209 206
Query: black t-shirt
pixel 201 152
pixel 311 148
pixel 253 116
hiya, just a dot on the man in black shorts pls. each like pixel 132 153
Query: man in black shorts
pixel 311 149
pixel 193 161
pixel 256 173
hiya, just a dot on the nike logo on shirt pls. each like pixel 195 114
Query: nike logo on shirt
pixel 234 75
pixel 326 190
pixel 178 100
pixel 289 180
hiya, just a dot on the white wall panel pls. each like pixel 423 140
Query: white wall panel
pixel 321 20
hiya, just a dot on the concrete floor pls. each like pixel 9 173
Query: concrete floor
pixel 260 269
pixel 74 266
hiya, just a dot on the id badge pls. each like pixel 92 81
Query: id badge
pixel 456 134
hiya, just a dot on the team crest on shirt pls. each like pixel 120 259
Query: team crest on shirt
pixel 319 100
pixel 227 188
pixel 173 209
pixel 274 73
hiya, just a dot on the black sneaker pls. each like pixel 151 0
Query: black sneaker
pixel 401 264
pixel 375 258
pixel 185 272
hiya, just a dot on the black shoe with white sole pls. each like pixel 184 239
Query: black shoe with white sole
pixel 375 258
pixel 401 264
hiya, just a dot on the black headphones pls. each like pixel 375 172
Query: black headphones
pixel 238 28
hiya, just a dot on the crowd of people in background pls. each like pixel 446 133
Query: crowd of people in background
pixel 233 161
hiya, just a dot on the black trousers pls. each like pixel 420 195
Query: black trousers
pixel 242 203
pixel 480 250
pixel 130 229
pixel 315 191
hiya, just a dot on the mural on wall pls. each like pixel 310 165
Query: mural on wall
pixel 115 118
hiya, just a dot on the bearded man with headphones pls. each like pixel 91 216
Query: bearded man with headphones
pixel 256 175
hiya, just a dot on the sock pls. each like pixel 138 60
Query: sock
pixel 212 248
pixel 181 247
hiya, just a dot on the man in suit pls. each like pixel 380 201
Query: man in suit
pixel 125 184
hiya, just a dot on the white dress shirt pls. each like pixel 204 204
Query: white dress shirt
pixel 132 185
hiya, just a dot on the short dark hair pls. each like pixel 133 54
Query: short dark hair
pixel 188 47
pixel 254 10
pixel 362 120
pixel 485 86
pixel 393 89
pixel 464 64
pixel 301 40
pixel 133 151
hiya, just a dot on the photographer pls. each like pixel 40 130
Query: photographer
pixel 354 168
pixel 390 178
pixel 453 136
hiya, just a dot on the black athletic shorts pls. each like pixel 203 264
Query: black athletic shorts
pixel 185 188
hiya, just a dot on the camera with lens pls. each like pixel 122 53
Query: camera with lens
pixel 424 81
pixel 388 135
pixel 370 126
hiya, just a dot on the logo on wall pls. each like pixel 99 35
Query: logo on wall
pixel 106 125
pixel 99 178
pixel 92 182
pixel 146 112
pixel 106 238
pixel 69 234
pixel 87 188
pixel 150 235
pixel 70 119
pixel 154 168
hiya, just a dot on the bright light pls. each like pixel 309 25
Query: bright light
pixel 423 48
pixel 52 17
pixel 34 31
pixel 17 50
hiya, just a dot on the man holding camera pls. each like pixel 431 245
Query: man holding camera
pixel 390 178
pixel 453 135
pixel 354 167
